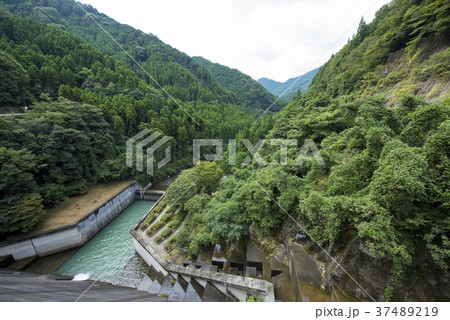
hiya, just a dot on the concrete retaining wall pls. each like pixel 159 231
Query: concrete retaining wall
pixel 54 242
pixel 148 258
pixel 75 235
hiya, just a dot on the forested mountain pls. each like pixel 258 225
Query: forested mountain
pixel 42 59
pixel 386 172
pixel 278 88
pixel 50 154
pixel 269 84
pixel 248 91
pixel 82 107
pixel 175 71
pixel 404 50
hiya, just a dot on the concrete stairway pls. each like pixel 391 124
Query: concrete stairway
pixel 181 288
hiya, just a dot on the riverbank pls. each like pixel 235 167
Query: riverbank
pixel 75 235
pixel 75 208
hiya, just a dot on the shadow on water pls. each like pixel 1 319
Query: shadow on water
pixel 51 263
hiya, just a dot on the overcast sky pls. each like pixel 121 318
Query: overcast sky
pixel 277 39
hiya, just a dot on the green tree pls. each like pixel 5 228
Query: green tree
pixel 14 82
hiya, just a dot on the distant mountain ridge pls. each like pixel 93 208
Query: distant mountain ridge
pixel 248 92
pixel 277 88
pixel 270 84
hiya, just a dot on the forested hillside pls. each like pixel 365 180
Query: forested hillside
pixel 386 175
pixel 50 154
pixel 287 90
pixel 248 91
pixel 82 107
pixel 404 50
pixel 172 69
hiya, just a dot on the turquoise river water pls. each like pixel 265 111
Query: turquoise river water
pixel 107 253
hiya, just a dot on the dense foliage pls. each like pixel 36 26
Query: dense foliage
pixel 404 50
pixel 379 181
pixel 189 193
pixel 50 154
pixel 386 171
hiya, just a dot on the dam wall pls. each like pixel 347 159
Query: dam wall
pixel 151 195
pixel 74 235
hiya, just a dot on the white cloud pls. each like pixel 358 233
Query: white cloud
pixel 278 39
